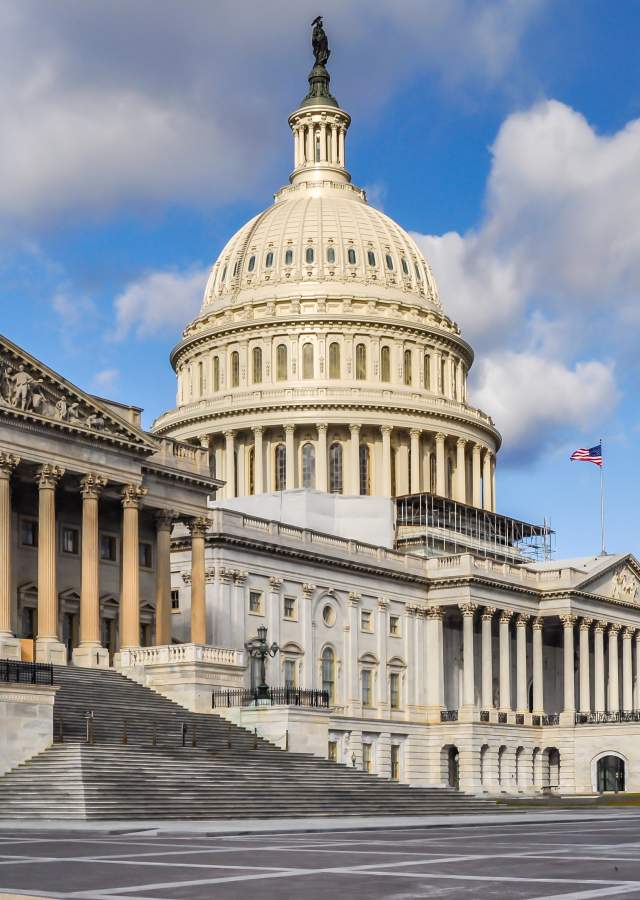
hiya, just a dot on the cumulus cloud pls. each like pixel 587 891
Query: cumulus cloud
pixel 158 302
pixel 106 105
pixel 552 273
pixel 106 378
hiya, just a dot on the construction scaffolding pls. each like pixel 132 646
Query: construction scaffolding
pixel 429 525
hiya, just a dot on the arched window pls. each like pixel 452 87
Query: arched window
pixel 309 255
pixel 371 257
pixel 443 375
pixel 418 272
pixel 216 373
pixel 317 146
pixel 224 275
pixel 335 468
pixel 405 266
pixel 334 360
pixel 236 268
pixel 280 462
pixel 269 260
pixel 251 461
pixel 361 362
pixel 307 360
pixel 252 264
pixel 351 256
pixel 426 373
pixel 331 255
pixel 257 365
pixel 281 362
pixel 200 379
pixel 365 471
pixel 329 673
pixel 407 367
pixel 389 262
pixel 235 369
pixel 288 257
pixel 308 466
pixel 385 364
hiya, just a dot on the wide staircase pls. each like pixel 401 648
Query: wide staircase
pixel 144 757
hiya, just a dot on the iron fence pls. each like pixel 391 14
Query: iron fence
pixel 605 718
pixel 276 696
pixel 448 715
pixel 26 672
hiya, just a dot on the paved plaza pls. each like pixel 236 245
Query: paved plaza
pixel 571 859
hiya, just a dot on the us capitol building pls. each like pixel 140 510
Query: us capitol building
pixel 322 475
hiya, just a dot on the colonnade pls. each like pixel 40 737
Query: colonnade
pixel 328 137
pixel 329 457
pixel 92 484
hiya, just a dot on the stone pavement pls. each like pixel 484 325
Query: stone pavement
pixel 545 858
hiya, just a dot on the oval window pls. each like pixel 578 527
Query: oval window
pixel 389 261
pixel 351 256
pixel 252 263
pixel 308 255
pixel 269 260
pixel 328 615
pixel 288 257
pixel 331 255
pixel 371 257
pixel 405 266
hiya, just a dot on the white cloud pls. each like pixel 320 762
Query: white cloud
pixel 106 378
pixel 73 309
pixel 105 105
pixel 159 301
pixel 546 287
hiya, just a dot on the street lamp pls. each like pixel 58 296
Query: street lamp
pixel 257 648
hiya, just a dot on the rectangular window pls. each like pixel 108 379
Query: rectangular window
pixel 146 555
pixel 255 602
pixel 289 607
pixel 175 600
pixel 365 678
pixel 108 548
pixel 394 625
pixel 367 757
pixel 332 754
pixel 395 762
pixel 394 690
pixel 70 540
pixel 366 620
pixel 289 673
pixel 29 533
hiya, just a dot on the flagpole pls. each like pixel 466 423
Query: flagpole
pixel 603 550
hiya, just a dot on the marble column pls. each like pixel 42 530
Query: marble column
pixel 441 478
pixel 386 460
pixel 493 483
pixel 538 667
pixel 569 704
pixel 289 439
pixel 48 646
pixel 353 688
pixel 636 691
pixel 341 159
pixel 435 667
pixel 613 704
pixel 322 458
pixel 354 460
pixel 274 608
pixel 461 470
pixel 306 627
pixel 415 461
pixel 229 464
pixel 476 478
pixel 334 144
pixel 9 643
pixel 627 671
pixel 224 610
pixel 486 481
pixel 468 663
pixel 487 657
pixel 382 626
pixel 410 655
pixel 598 673
pixel 585 687
pixel 258 460
pixel 90 653
pixel 505 660
pixel 198 529
pixel 522 705
pixel 164 525
pixel 132 495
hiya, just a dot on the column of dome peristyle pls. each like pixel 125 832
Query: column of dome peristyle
pixel 9 644
pixel 90 654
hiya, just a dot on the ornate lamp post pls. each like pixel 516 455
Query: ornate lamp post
pixel 257 648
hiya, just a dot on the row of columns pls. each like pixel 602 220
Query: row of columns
pixel 332 141
pixel 613 700
pixel 90 652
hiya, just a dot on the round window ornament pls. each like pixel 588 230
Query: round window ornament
pixel 328 615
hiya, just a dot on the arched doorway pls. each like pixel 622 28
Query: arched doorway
pixel 453 768
pixel 611 774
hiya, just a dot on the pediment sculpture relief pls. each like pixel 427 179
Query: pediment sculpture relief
pixel 625 586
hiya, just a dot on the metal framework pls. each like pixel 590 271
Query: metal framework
pixel 436 526
pixel 26 672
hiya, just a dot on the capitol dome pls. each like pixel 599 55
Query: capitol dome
pixel 321 356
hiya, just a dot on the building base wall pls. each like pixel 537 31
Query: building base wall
pixel 26 722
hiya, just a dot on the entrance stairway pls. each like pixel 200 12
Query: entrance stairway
pixel 148 758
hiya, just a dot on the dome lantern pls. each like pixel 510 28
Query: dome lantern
pixel 319 126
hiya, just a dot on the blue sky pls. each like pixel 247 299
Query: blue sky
pixel 504 135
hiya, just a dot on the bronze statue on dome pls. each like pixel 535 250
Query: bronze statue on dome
pixel 319 42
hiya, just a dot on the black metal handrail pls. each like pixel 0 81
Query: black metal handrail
pixel 484 715
pixel 448 715
pixel 276 696
pixel 551 719
pixel 605 718
pixel 25 672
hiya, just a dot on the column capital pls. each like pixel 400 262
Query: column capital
pixel 322 426
pixel 8 462
pixel 289 429
pixel 600 627
pixel 415 433
pixel 48 476
pixel 165 519
pixel 132 495
pixel 386 429
pixel 440 437
pixel 468 609
pixel 462 442
pixel 383 603
pixel 614 628
pixel 308 589
pixel 275 582
pixel 258 429
pixel 628 633
pixel 505 616
pixel 354 429
pixel 568 620
pixel 225 575
pixel 92 485
pixel 585 623
pixel 478 448
pixel 434 612
pixel 229 434
pixel 538 622
pixel 354 598
pixel 239 577
pixel 522 619
pixel 410 609
pixel 488 612
pixel 198 526
pixel 186 577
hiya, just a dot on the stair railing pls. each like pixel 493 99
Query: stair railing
pixel 194 740
pixel 90 736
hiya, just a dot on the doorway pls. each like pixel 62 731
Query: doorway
pixel 611 774
pixel 453 768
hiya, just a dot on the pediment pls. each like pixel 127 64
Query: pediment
pixel 31 391
pixel 620 581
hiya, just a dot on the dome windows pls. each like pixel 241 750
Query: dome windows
pixel 335 468
pixel 389 262
pixel 281 362
pixel 235 369
pixel 252 264
pixel 216 373
pixel 257 365
pixel 268 261
pixel 331 255
pixel 361 362
pixel 280 467
pixel 427 372
pixel 288 257
pixel 309 256
pixel 236 268
pixel 405 265
pixel 224 275
pixel 334 360
pixel 371 257
pixel 307 361
pixel 385 364
pixel 308 465
pixel 364 470
pixel 351 256
pixel 418 272
pixel 407 367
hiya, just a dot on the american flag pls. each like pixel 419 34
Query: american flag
pixel 593 455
